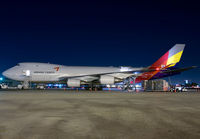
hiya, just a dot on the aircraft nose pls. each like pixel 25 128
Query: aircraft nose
pixel 13 74
pixel 6 74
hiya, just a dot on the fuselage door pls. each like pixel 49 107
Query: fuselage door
pixel 27 73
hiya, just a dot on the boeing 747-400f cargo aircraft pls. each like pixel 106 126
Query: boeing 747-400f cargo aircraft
pixel 75 76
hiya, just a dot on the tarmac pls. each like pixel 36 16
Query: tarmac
pixel 99 115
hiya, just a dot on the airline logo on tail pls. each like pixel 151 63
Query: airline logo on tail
pixel 170 58
pixel 175 55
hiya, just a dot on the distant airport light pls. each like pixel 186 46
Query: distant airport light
pixel 137 85
pixel 50 85
pixel 157 68
pixel 1 78
pixel 60 85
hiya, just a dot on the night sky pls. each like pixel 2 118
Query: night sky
pixel 111 33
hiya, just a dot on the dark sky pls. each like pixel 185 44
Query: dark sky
pixel 111 33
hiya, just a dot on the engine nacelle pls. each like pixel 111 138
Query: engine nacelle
pixel 73 83
pixel 105 79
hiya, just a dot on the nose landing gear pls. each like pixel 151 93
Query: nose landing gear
pixel 27 79
pixel 26 84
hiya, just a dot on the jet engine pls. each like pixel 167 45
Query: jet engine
pixel 106 79
pixel 73 83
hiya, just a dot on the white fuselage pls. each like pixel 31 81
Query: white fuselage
pixel 45 72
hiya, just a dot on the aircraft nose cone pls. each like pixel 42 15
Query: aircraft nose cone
pixel 6 74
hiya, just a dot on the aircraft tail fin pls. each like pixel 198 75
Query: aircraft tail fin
pixel 170 58
pixel 164 66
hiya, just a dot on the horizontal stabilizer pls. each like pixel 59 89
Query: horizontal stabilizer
pixel 178 70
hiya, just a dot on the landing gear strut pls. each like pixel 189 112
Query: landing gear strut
pixel 25 84
pixel 92 87
pixel 27 79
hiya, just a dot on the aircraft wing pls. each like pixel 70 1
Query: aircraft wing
pixel 144 74
pixel 142 70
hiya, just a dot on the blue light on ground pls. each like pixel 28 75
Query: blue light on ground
pixel 1 78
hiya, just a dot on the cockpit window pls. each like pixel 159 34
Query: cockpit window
pixel 18 64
